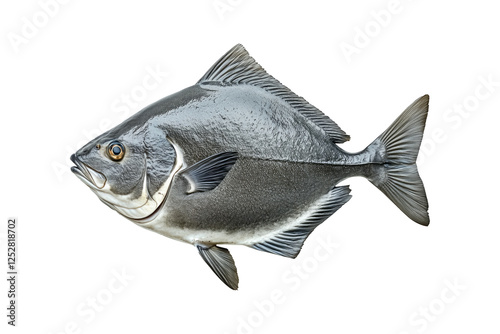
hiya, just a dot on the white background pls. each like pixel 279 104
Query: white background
pixel 63 83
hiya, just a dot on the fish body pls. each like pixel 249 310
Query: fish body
pixel 240 159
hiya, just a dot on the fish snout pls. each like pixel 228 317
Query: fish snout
pixel 89 176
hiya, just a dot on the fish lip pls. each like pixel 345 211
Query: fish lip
pixel 89 176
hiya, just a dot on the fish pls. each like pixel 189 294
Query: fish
pixel 239 159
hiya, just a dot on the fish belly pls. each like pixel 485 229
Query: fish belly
pixel 257 198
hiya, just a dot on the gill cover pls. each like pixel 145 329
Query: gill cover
pixel 136 163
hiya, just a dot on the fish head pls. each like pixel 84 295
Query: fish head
pixel 129 168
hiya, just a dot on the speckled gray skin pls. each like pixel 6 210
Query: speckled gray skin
pixel 282 168
pixel 256 195
pixel 240 159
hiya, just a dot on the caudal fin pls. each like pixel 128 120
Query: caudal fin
pixel 397 177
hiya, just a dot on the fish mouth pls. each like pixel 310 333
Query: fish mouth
pixel 87 175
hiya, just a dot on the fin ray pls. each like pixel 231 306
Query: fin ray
pixel 222 264
pixel 402 139
pixel 289 243
pixel 238 67
pixel 208 173
pixel 405 188
pixel 398 176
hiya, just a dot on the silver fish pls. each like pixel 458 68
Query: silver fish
pixel 238 158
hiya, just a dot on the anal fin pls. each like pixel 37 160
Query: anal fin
pixel 221 262
pixel 288 243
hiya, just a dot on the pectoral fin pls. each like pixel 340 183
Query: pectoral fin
pixel 208 173
pixel 222 264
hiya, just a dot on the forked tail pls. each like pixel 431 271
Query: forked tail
pixel 396 151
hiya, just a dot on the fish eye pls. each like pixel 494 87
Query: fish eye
pixel 116 151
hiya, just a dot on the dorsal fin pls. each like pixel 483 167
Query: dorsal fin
pixel 237 67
